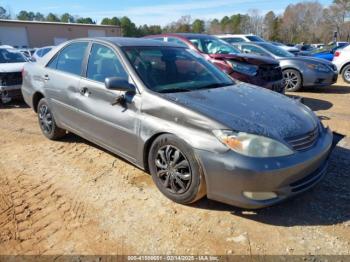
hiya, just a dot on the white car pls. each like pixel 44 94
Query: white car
pixel 234 38
pixel 342 61
pixel 11 64
pixel 40 52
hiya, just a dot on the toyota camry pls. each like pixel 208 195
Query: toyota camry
pixel 167 110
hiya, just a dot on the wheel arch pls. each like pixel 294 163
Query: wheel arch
pixel 147 147
pixel 342 68
pixel 35 101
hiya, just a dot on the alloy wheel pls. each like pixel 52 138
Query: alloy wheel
pixel 45 119
pixel 173 169
pixel 291 80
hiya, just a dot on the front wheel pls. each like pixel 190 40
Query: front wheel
pixel 346 74
pixel 175 170
pixel 47 122
pixel 292 80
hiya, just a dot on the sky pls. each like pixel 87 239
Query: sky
pixel 150 11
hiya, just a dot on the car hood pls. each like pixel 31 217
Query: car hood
pixel 306 59
pixel 251 59
pixel 11 67
pixel 247 108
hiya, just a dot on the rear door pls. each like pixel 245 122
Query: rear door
pixel 114 125
pixel 61 79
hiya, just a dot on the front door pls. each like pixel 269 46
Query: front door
pixel 114 125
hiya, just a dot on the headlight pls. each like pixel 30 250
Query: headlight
pixel 319 67
pixel 252 145
pixel 243 68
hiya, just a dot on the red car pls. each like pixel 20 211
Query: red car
pixel 256 70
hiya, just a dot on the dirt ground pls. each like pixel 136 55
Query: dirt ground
pixel 71 197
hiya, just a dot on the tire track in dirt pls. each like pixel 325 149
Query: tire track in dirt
pixel 36 213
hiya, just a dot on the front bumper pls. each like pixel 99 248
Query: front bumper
pixel 320 79
pixel 11 92
pixel 228 175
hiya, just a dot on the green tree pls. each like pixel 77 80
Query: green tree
pixel 198 26
pixel 39 17
pixel 85 20
pixel 128 27
pixel 52 18
pixel 106 21
pixel 26 16
pixel 110 21
pixel 225 24
pixel 67 18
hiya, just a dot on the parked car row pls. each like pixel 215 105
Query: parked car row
pixel 170 110
pixel 246 58
pixel 298 71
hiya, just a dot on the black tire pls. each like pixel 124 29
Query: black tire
pixel 47 122
pixel 292 80
pixel 191 186
pixel 346 74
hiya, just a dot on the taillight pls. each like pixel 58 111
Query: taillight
pixel 337 53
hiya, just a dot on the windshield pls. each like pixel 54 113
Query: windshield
pixel 171 69
pixel 213 45
pixel 277 51
pixel 11 56
pixel 255 38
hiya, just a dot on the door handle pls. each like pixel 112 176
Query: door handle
pixel 46 77
pixel 84 91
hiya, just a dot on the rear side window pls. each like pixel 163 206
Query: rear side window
pixel 70 59
pixel 103 63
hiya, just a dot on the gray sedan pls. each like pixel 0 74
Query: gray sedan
pixel 298 71
pixel 167 110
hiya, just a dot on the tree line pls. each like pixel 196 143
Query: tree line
pixel 307 22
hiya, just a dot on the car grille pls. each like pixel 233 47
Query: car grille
pixel 304 142
pixel 10 79
pixel 270 73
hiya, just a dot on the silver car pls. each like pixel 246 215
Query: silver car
pixel 298 71
pixel 168 111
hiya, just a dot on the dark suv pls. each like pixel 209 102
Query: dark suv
pixel 251 69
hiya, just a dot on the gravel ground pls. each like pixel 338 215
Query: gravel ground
pixel 71 197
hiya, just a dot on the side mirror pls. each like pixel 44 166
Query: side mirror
pixel 118 83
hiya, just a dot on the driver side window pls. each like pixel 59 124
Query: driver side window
pixel 104 63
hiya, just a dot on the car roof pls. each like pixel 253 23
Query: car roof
pixel 183 35
pixel 131 41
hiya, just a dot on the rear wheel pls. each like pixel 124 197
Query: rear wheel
pixel 346 74
pixel 47 122
pixel 175 170
pixel 292 80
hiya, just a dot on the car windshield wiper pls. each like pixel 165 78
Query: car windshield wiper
pixel 175 90
pixel 214 85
